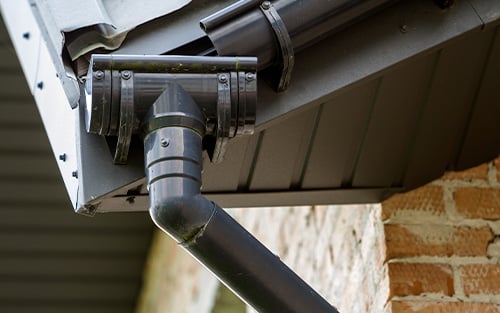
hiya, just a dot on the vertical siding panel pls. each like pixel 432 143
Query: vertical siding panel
pixel 281 148
pixel 482 142
pixel 339 134
pixel 457 77
pixel 306 144
pixel 393 124
pixel 225 176
pixel 249 160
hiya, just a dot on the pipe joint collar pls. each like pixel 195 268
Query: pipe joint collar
pixel 130 94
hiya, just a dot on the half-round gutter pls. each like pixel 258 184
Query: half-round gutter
pixel 173 159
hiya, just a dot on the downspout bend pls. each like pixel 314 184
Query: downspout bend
pixel 174 128
pixel 173 159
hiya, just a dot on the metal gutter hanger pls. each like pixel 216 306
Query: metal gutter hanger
pixel 272 32
pixel 286 59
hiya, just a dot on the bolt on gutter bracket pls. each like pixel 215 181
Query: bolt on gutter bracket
pixel 275 30
pixel 174 126
pixel 121 88
pixel 287 58
pixel 283 66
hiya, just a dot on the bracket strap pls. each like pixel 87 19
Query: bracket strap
pixel 126 117
pixel 223 117
pixel 284 41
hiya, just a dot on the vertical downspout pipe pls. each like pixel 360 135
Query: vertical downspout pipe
pixel 173 160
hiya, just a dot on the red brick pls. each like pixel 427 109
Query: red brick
pixel 442 307
pixel 478 202
pixel 413 279
pixel 427 199
pixel 436 240
pixel 478 172
pixel 481 279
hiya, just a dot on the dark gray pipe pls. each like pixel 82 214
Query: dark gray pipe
pixel 170 64
pixel 198 75
pixel 173 162
pixel 241 30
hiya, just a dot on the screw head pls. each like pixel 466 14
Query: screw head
pixel 99 75
pixel 250 76
pixel 126 75
pixel 165 142
pixel 223 78
pixel 62 157
pixel 26 35
pixel 266 5
pixel 89 209
pixel 74 174
pixel 39 85
pixel 130 200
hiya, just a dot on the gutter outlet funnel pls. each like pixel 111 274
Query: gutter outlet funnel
pixel 173 160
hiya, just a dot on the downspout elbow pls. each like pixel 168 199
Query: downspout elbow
pixel 172 146
pixel 173 160
pixel 184 217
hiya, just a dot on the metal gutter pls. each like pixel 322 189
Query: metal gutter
pixel 242 29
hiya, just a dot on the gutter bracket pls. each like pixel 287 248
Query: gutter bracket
pixel 224 119
pixel 121 88
pixel 285 44
pixel 126 123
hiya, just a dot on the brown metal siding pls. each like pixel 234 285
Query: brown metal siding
pixel 482 129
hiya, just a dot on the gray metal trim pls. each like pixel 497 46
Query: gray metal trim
pixel 35 55
pixel 53 40
pixel 175 30
pixel 260 199
pixel 487 11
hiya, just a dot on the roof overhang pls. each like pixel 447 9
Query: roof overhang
pixel 383 106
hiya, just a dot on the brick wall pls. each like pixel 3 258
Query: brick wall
pixel 435 249
pixel 443 244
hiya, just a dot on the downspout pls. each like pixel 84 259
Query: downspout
pixel 196 97
pixel 173 159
